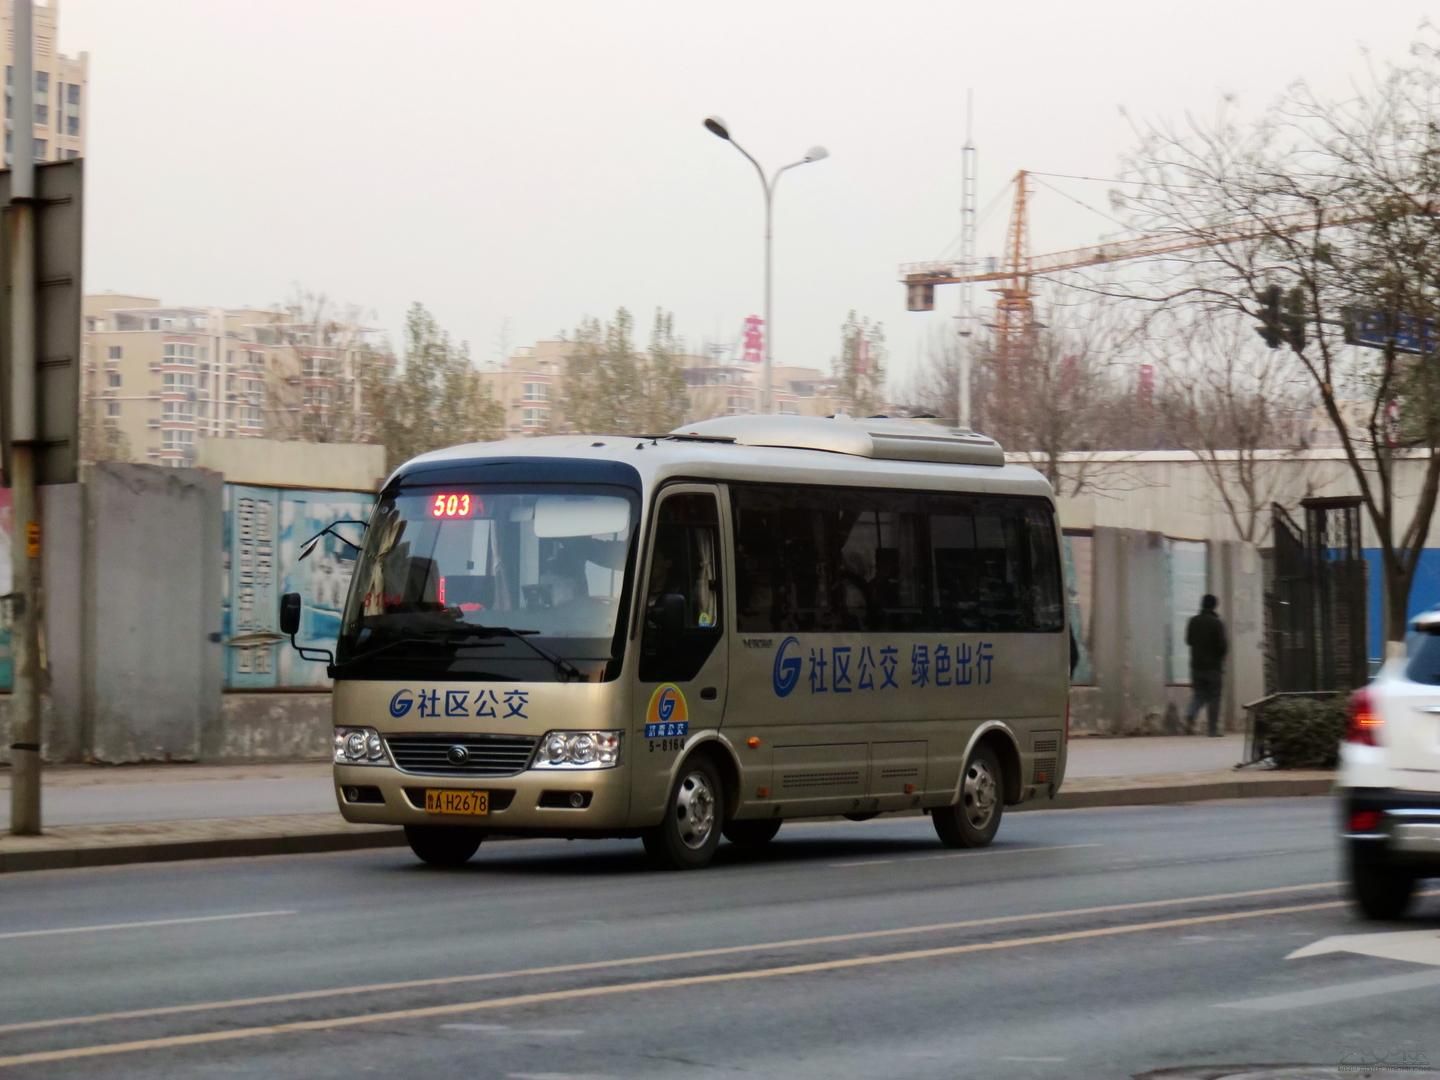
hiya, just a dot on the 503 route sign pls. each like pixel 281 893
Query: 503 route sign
pixel 1377 329
pixel 57 223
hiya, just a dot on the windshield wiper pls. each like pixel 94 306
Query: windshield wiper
pixel 454 638
pixel 562 666
pixel 395 644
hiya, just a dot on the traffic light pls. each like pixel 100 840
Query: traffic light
pixel 1295 318
pixel 1271 328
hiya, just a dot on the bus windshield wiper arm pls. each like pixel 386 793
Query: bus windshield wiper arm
pixel 447 643
pixel 562 666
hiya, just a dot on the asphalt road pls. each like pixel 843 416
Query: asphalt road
pixel 1102 943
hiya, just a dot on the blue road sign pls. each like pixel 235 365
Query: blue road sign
pixel 1375 329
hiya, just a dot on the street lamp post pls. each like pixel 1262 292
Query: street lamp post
pixel 717 127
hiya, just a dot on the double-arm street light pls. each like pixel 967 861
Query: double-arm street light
pixel 716 126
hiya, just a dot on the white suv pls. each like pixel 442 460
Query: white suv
pixel 1389 779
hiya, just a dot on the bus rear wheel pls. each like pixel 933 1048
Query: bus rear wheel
pixel 441 845
pixel 755 832
pixel 973 821
pixel 688 835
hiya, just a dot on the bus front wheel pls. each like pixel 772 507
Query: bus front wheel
pixel 442 845
pixel 973 821
pixel 688 835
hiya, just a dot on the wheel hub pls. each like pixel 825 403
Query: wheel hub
pixel 979 795
pixel 695 810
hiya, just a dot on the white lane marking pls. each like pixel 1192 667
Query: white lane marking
pixel 963 854
pixel 1331 995
pixel 488 1029
pixel 656 958
pixel 1413 946
pixel 98 927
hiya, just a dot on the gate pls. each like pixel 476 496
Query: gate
pixel 1317 604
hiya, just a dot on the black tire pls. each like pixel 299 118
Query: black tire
pixel 1380 890
pixel 973 821
pixel 688 835
pixel 441 845
pixel 756 832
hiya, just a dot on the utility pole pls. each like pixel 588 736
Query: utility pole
pixel 967 260
pixel 22 433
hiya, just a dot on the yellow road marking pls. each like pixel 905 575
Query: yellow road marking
pixel 172 1042
pixel 654 958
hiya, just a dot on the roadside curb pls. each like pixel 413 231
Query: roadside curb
pixel 50 852
pixel 1241 788
pixel 78 857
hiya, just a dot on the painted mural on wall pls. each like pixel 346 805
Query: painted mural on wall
pixel 264 531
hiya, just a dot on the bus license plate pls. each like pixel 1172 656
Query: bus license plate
pixel 440 801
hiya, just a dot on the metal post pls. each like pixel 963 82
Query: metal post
pixel 766 400
pixel 967 260
pixel 20 429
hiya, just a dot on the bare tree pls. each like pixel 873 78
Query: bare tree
pixel 860 368
pixel 433 398
pixel 1232 402
pixel 1336 203
pixel 320 353
pixel 610 385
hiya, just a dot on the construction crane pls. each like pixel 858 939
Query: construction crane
pixel 1015 307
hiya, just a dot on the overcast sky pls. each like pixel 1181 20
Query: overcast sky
pixel 523 163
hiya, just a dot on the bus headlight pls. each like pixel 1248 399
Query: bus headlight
pixel 359 746
pixel 578 750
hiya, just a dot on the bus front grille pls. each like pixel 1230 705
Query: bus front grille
pixel 485 755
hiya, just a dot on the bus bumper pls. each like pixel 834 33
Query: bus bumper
pixel 543 802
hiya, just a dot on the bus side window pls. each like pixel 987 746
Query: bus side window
pixel 685 563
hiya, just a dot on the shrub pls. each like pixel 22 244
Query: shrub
pixel 1305 733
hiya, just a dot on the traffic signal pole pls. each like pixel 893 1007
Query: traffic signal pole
pixel 21 431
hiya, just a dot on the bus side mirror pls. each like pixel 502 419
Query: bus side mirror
pixel 290 614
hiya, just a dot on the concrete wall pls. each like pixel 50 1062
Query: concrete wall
pixel 1175 492
pixel 1128 620
pixel 152 674
pixel 275 726
pixel 273 463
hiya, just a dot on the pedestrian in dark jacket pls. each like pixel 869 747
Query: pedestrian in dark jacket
pixel 1205 635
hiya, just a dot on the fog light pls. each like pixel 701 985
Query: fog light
pixel 577 800
pixel 352 794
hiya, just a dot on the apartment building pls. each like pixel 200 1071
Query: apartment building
pixel 61 88
pixel 720 386
pixel 155 378
pixel 527 386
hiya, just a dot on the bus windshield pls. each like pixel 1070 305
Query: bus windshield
pixel 498 582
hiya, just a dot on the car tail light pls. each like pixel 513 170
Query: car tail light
pixel 1364 821
pixel 1364 719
